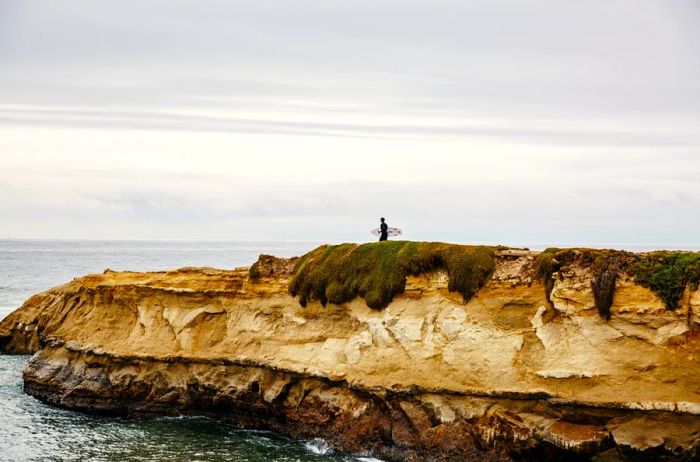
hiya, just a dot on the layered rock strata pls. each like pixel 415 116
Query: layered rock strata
pixel 508 375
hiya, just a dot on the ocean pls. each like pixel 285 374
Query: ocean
pixel 33 431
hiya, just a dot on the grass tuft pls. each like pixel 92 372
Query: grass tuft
pixel 668 273
pixel 548 265
pixel 603 285
pixel 377 271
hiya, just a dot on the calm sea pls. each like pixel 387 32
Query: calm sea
pixel 30 430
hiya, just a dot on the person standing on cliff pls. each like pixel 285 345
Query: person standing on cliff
pixel 383 230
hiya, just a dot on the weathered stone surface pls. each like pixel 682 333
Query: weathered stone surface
pixel 656 433
pixel 506 375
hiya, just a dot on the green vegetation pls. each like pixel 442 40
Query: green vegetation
pixel 377 271
pixel 548 264
pixel 668 274
pixel 605 265
pixel 603 284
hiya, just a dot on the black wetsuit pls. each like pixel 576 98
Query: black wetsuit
pixel 383 232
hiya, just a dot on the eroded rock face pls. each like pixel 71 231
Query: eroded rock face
pixel 506 375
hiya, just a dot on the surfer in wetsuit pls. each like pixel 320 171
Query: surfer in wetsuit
pixel 383 230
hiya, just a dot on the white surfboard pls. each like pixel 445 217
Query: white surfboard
pixel 393 232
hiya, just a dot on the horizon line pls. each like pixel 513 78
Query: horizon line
pixel 609 245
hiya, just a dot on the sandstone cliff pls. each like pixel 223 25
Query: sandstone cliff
pixel 513 373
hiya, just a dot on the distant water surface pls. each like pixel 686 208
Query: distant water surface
pixel 31 266
pixel 33 431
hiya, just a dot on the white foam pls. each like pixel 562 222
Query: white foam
pixel 318 446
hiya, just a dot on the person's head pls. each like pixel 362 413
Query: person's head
pixel 382 219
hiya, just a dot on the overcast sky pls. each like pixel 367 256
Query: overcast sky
pixel 514 122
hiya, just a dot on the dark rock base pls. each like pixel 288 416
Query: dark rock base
pixel 403 425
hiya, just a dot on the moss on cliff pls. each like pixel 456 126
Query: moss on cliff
pixel 606 265
pixel 668 274
pixel 603 285
pixel 377 271
pixel 548 264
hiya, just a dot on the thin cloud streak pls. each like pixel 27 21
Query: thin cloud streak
pixel 188 122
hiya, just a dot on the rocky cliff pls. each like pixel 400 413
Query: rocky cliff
pixel 506 364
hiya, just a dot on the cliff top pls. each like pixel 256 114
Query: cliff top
pixel 377 271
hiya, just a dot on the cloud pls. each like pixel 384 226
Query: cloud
pixel 507 121
pixel 410 130
pixel 578 207
pixel 479 58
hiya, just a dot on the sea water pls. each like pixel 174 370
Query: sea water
pixel 33 431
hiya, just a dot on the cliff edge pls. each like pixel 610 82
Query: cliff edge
pixel 406 351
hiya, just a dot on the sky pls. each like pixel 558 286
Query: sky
pixel 496 122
